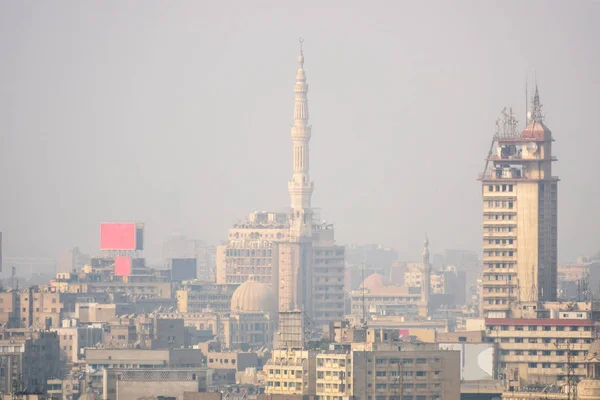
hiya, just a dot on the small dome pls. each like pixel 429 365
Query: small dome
pixel 593 353
pixel 588 389
pixel 252 297
pixel 374 281
pixel 88 395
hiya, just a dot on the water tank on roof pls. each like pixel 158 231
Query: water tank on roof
pixel 554 314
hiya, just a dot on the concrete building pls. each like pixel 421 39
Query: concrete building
pixel 179 247
pixel 100 359
pixel 40 305
pixel 73 339
pixel 72 260
pixel 366 364
pixel 66 388
pixel 10 309
pixel 165 383
pixel 27 360
pixel 198 296
pixel 540 350
pixel 519 215
pixel 291 372
pixel 235 360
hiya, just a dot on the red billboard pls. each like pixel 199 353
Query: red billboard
pixel 118 236
pixel 122 266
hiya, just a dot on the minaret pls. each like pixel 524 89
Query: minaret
pixel 535 111
pixel 295 256
pixel 300 186
pixel 426 281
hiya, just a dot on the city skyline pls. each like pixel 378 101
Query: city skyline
pixel 124 158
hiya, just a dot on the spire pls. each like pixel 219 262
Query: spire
pixel 426 252
pixel 300 186
pixel 535 109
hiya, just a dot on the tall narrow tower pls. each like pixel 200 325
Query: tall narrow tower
pixel 295 256
pixel 300 186
pixel 425 281
pixel 519 215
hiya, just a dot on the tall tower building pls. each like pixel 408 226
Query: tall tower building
pixel 300 186
pixel 426 281
pixel 295 257
pixel 519 215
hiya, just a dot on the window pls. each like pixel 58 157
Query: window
pixel 421 361
pixel 519 340
pixel 421 373
pixel 381 386
pixel 532 365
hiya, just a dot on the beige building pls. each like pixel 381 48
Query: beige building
pixel 519 215
pixel 197 296
pixel 27 360
pixel 543 351
pixel 73 340
pixel 367 364
pixel 291 372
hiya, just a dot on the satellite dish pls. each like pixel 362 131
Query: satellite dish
pixel 532 147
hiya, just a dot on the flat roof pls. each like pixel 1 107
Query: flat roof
pixel 539 321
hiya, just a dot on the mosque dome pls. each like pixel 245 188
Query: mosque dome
pixel 374 281
pixel 88 395
pixel 588 389
pixel 252 297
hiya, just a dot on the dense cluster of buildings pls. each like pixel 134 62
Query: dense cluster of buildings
pixel 281 311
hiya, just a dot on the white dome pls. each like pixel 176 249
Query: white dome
pixel 374 281
pixel 252 297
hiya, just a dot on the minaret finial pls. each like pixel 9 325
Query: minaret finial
pixel 301 56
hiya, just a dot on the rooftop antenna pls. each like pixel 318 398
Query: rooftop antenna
pixel 364 306
pixel 526 101
pixel 533 287
pixel 301 40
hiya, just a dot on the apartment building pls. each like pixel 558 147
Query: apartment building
pixel 291 372
pixel 540 350
pixel 28 359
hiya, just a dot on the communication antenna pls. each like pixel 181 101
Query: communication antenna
pixel 526 101
pixel 364 305
pixel 533 287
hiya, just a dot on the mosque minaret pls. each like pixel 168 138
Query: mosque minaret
pixel 300 186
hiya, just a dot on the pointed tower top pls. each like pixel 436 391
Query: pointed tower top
pixel 426 250
pixel 301 56
pixel 535 110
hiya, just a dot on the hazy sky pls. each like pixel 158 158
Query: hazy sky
pixel 177 113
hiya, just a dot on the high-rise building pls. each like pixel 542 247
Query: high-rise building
pixel 519 215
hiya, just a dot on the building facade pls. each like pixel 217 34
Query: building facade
pixel 519 215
